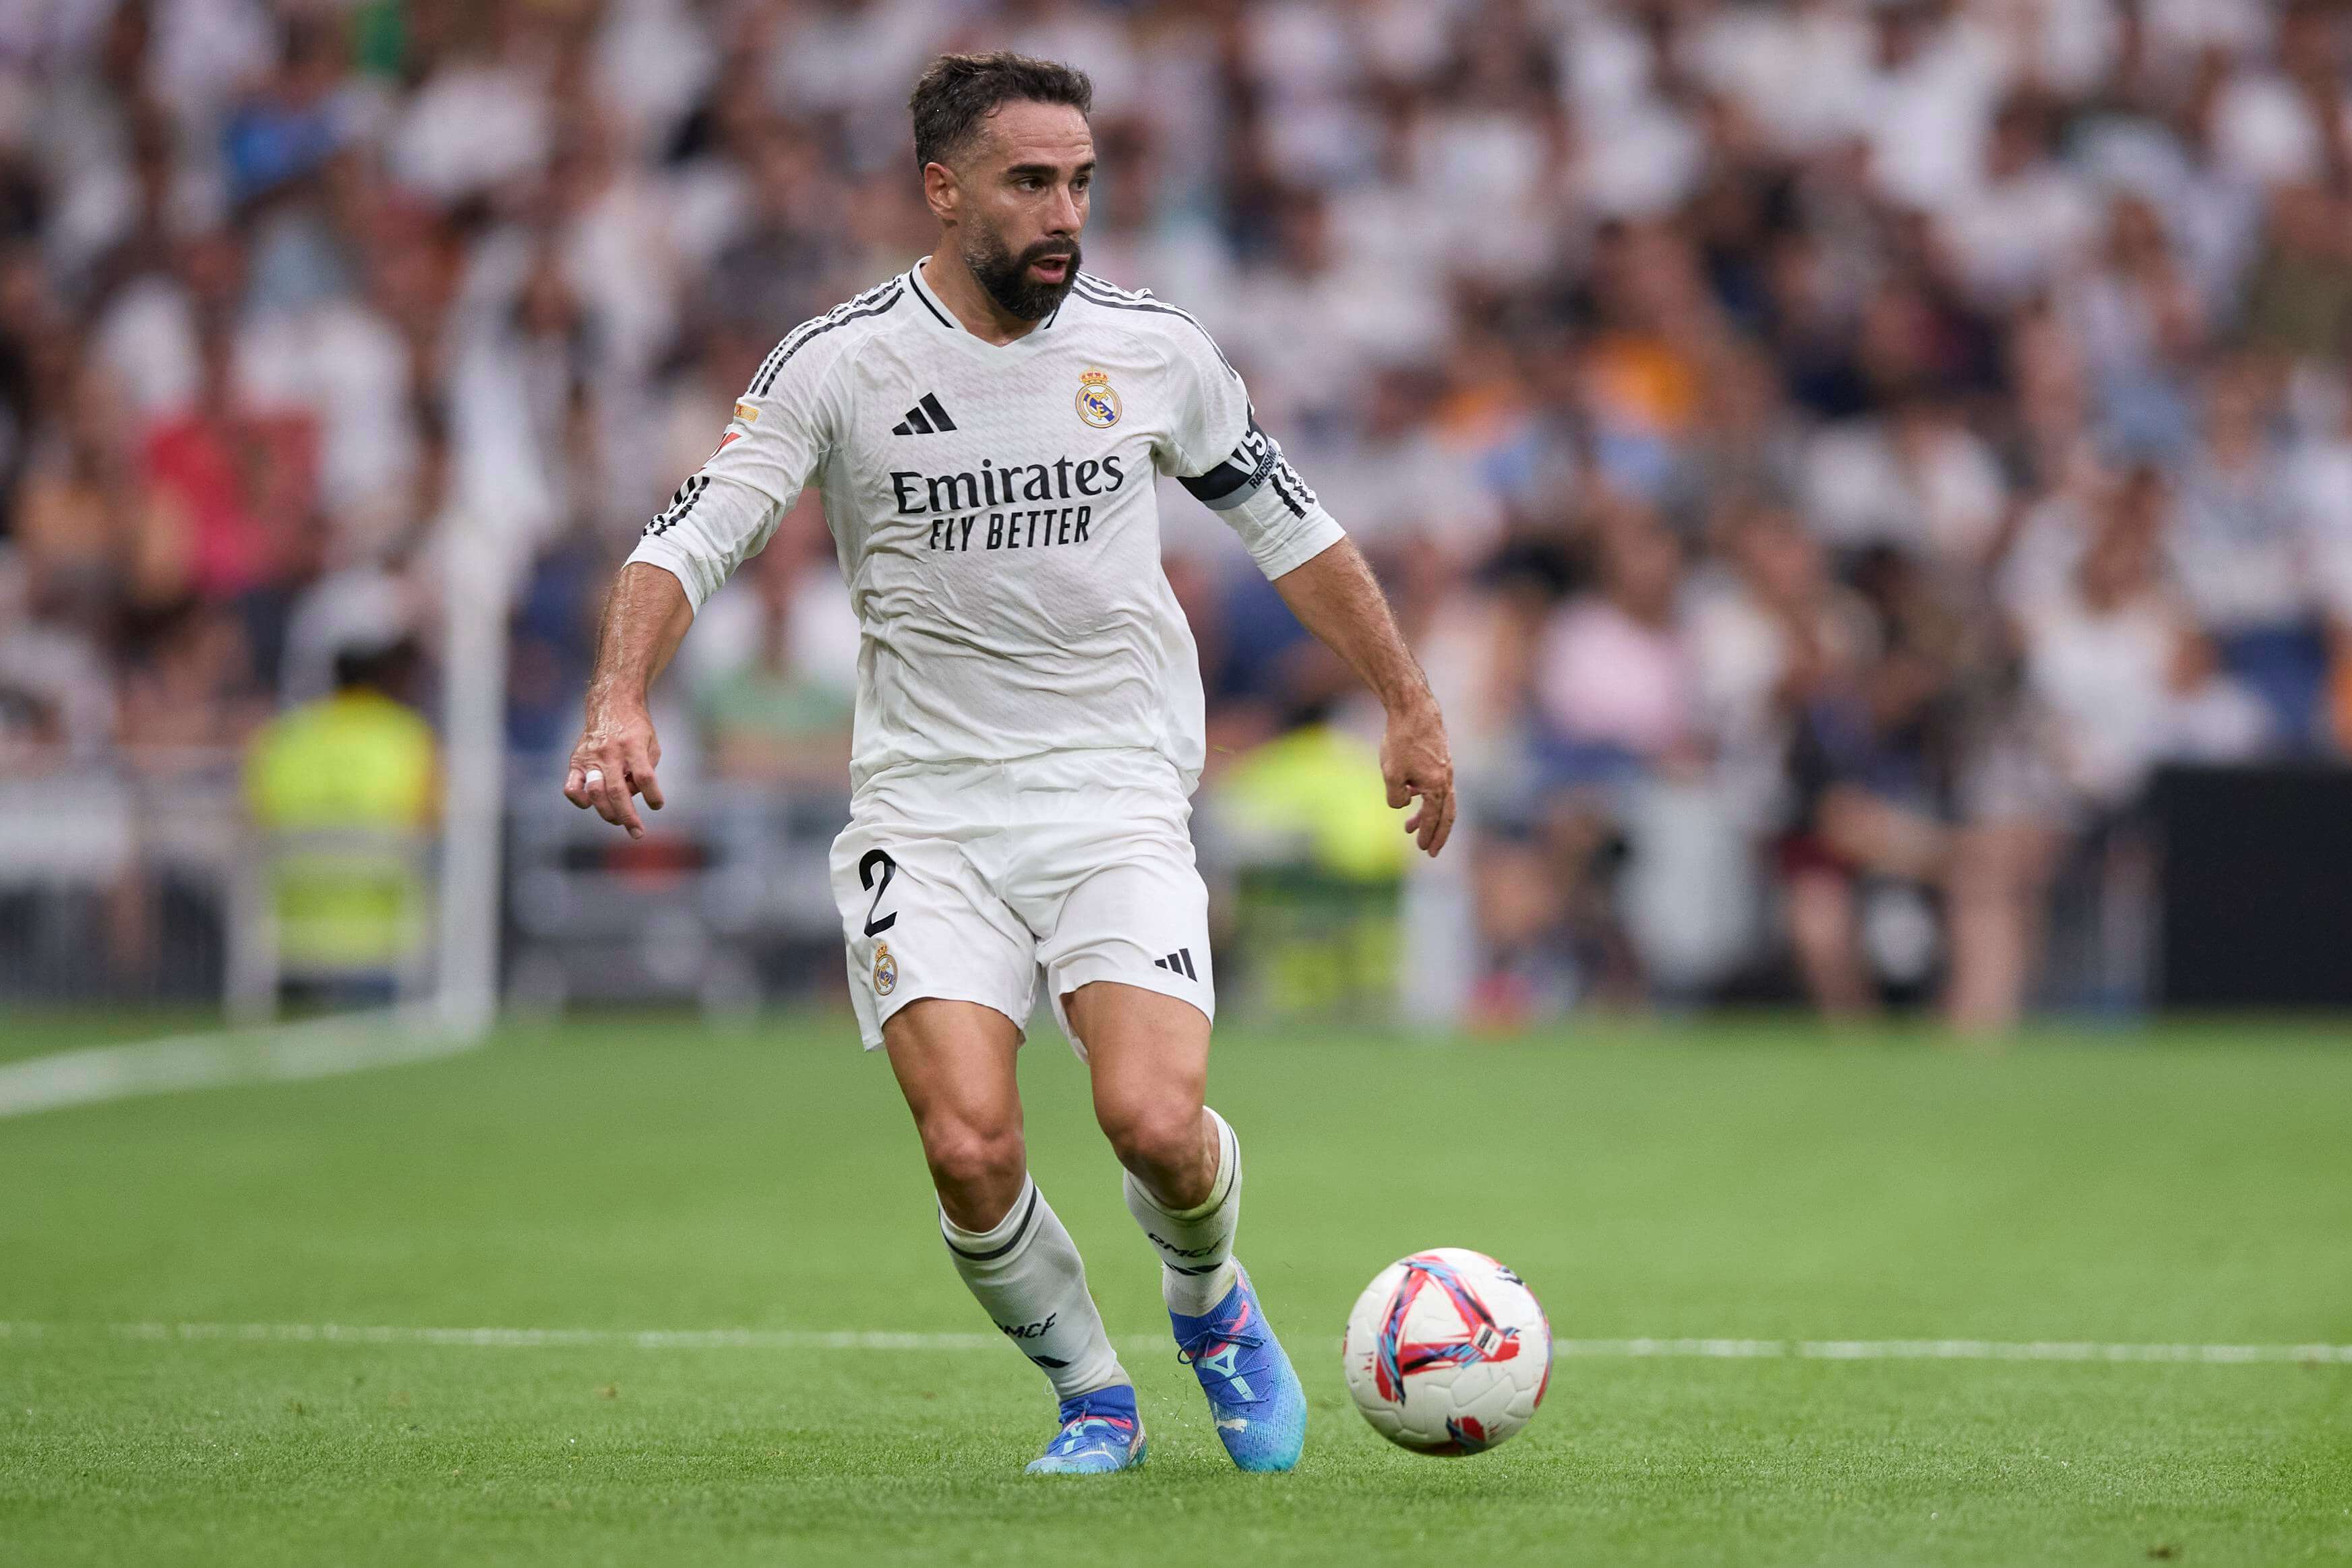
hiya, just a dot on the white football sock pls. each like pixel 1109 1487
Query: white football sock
pixel 1028 1276
pixel 1195 1245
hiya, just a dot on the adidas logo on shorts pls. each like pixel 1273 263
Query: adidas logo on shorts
pixel 1180 961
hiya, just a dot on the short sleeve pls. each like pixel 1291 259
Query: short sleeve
pixel 1236 470
pixel 727 509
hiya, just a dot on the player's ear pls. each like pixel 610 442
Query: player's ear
pixel 942 192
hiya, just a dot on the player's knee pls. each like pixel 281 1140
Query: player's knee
pixel 974 1158
pixel 1160 1139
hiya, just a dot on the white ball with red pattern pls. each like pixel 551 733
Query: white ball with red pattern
pixel 1448 1352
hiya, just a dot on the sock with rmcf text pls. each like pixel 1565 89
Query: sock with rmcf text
pixel 1195 1245
pixel 1026 1274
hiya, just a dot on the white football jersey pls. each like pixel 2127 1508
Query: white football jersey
pixel 995 514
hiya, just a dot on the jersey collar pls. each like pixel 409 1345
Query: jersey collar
pixel 943 321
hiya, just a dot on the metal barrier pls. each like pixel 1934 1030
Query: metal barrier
pixel 729 877
pixel 116 876
pixel 396 869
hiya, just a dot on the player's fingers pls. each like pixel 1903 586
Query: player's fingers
pixel 1424 813
pixel 575 787
pixel 1445 826
pixel 591 795
pixel 637 764
pixel 1436 817
pixel 614 804
pixel 608 788
pixel 1400 792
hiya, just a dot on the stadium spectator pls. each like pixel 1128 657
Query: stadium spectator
pixel 237 482
pixel 2124 676
pixel 2241 551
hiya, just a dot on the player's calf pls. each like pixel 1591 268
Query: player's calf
pixel 1026 1273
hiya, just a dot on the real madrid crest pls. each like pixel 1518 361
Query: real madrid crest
pixel 886 970
pixel 1097 403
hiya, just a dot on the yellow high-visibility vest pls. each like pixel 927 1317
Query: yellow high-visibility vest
pixel 356 762
pixel 1322 787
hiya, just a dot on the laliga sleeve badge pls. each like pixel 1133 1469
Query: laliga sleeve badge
pixel 1097 403
pixel 886 970
pixel 745 414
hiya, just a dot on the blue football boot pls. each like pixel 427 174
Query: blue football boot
pixel 1259 1407
pixel 1100 1433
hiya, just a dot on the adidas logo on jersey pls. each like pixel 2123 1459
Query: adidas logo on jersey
pixel 926 418
pixel 1181 963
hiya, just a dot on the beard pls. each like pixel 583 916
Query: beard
pixel 1006 275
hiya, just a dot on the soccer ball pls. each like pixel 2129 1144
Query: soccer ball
pixel 1448 1352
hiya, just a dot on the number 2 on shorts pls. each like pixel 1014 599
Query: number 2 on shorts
pixel 876 923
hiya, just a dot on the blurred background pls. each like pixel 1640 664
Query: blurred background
pixel 1870 480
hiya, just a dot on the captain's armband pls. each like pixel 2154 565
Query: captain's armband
pixel 1255 466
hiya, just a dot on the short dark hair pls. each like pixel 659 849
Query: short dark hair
pixel 957 93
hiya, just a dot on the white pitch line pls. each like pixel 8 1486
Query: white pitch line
pixel 317 1047
pixel 1949 1350
pixel 814 1339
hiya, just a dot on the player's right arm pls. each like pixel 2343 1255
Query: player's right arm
pixel 646 618
pixel 719 519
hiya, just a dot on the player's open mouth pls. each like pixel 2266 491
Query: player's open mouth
pixel 1051 268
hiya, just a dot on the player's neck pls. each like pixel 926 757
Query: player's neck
pixel 959 291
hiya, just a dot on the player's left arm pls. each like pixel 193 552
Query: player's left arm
pixel 1238 471
pixel 1334 595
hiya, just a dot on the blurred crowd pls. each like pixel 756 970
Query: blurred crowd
pixel 1829 454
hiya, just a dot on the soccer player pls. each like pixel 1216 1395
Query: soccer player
pixel 986 429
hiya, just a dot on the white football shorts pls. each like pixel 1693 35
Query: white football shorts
pixel 969 883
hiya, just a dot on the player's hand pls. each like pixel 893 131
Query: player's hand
pixel 1417 764
pixel 614 759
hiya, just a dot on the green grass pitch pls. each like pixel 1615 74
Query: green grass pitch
pixel 2192 1184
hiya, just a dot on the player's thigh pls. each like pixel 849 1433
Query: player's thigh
pixel 918 922
pixel 1147 1055
pixel 955 1065
pixel 1127 966
pixel 1136 914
